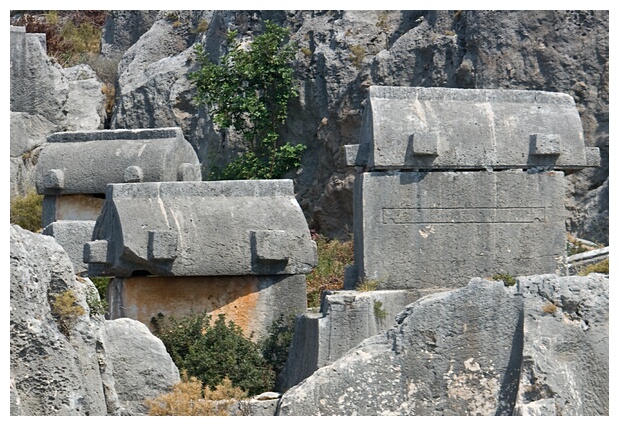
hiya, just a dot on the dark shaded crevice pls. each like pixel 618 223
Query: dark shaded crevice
pixel 508 393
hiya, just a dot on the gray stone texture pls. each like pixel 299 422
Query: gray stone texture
pixel 70 368
pixel 123 28
pixel 204 229
pixel 346 52
pixel 28 131
pixel 89 161
pixel 345 319
pixel 136 358
pixel 72 235
pixel 484 349
pixel 565 360
pixel 46 98
pixel 419 231
pixel 408 128
pixel 54 373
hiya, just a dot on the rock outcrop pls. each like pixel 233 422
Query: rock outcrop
pixel 66 359
pixel 46 98
pixel 342 53
pixel 540 347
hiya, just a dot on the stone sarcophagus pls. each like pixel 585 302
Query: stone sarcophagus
pixel 74 169
pixel 241 248
pixel 454 184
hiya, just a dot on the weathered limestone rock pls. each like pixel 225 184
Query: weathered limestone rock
pixel 28 131
pixel 137 364
pixel 565 360
pixel 37 87
pixel 71 235
pixel 55 368
pixel 201 229
pixel 123 28
pixel 46 98
pixel 346 318
pixel 71 362
pixel 462 352
pixel 454 353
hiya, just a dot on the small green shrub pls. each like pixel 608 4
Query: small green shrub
pixel 383 22
pixel 98 303
pixel 66 310
pixel 212 350
pixel 379 311
pixel 367 285
pixel 101 283
pixel 191 398
pixel 507 279
pixel 276 345
pixel 27 211
pixel 357 54
pixel 306 51
pixel 333 257
pixel 602 267
pixel 201 26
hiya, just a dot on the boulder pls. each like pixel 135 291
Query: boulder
pixel 483 349
pixel 54 362
pixel 64 358
pixel 138 370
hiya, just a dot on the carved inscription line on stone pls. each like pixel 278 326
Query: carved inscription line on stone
pixel 424 216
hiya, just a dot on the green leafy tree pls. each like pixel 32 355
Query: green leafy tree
pixel 249 91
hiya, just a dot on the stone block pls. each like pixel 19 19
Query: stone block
pixel 92 160
pixel 253 303
pixel 54 180
pixel 133 174
pixel 162 245
pixel 95 252
pixel 224 228
pixel 346 319
pixel 411 128
pixel 423 231
pixel 188 172
pixel 72 235
pixel 544 144
pixel 270 245
pixel 425 143
pixel 70 207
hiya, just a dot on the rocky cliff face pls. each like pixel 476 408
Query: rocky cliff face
pixel 342 53
pixel 65 359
